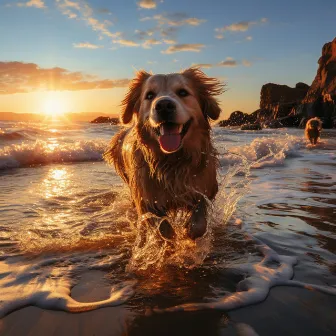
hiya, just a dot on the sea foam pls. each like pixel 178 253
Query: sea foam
pixel 43 152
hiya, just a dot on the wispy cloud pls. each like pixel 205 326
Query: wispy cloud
pixel 246 63
pixel 33 3
pixel 87 45
pixel 219 36
pixel 126 43
pixel 143 34
pixel 195 47
pixel 241 26
pixel 174 19
pixel 147 4
pixel 169 41
pixel 148 43
pixel 80 10
pixel 228 62
pixel 18 77
pixel 203 65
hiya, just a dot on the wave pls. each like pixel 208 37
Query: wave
pixel 265 152
pixel 42 152
pixel 27 134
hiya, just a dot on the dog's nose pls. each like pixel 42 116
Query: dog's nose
pixel 165 108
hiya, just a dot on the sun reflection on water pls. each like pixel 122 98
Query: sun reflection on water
pixel 56 183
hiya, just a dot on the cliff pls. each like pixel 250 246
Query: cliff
pixel 284 106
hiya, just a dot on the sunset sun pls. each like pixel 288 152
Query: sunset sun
pixel 54 104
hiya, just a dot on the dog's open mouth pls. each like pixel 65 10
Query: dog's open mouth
pixel 171 135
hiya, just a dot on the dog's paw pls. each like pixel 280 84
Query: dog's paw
pixel 166 230
pixel 197 228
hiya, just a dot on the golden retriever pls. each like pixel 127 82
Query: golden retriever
pixel 313 130
pixel 166 155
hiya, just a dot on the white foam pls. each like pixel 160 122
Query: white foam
pixel 46 287
pixel 265 151
pixel 43 152
pixel 259 279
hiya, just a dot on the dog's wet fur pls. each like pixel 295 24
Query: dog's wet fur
pixel 166 155
pixel 313 130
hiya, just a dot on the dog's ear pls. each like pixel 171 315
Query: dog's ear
pixel 206 88
pixel 131 103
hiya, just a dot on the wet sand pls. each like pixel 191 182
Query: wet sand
pixel 286 311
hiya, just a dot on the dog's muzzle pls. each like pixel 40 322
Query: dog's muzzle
pixel 165 110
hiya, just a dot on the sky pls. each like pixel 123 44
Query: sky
pixel 78 56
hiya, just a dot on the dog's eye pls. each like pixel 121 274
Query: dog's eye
pixel 182 93
pixel 150 95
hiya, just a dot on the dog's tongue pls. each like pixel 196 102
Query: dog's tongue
pixel 170 138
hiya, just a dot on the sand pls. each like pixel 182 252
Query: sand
pixel 286 311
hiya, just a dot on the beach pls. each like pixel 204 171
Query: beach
pixel 70 265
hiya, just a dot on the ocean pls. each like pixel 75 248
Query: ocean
pixel 68 238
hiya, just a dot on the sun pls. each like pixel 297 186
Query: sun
pixel 54 104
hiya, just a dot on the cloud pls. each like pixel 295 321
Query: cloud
pixel 241 26
pixel 147 4
pixel 248 38
pixel 148 43
pixel 103 11
pixel 174 19
pixel 126 43
pixel 228 62
pixel 142 34
pixel 80 10
pixel 195 47
pixel 18 77
pixel 203 65
pixel 86 45
pixel 219 36
pixel 32 3
pixel 169 41
pixel 246 63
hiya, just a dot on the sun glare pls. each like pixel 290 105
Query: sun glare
pixel 54 104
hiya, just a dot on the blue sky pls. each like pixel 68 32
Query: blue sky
pixel 246 43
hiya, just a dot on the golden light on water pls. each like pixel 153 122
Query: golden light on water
pixel 56 183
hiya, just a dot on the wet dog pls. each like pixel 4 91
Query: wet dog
pixel 166 155
pixel 313 130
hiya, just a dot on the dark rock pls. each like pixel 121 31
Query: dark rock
pixel 251 127
pixel 273 124
pixel 104 120
pixel 275 94
pixel 320 100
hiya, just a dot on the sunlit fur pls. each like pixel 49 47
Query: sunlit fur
pixel 161 182
pixel 313 130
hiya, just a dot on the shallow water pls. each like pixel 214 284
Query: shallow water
pixel 64 212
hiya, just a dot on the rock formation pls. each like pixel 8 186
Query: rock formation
pixel 283 106
pixel 320 100
pixel 104 120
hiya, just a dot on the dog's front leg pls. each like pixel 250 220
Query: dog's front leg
pixel 166 230
pixel 198 221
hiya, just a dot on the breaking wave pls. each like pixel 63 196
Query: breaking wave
pixel 42 152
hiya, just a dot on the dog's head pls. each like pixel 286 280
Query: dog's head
pixel 174 109
pixel 314 123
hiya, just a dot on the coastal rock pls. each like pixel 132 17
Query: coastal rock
pixel 104 120
pixel 251 127
pixel 238 118
pixel 320 100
